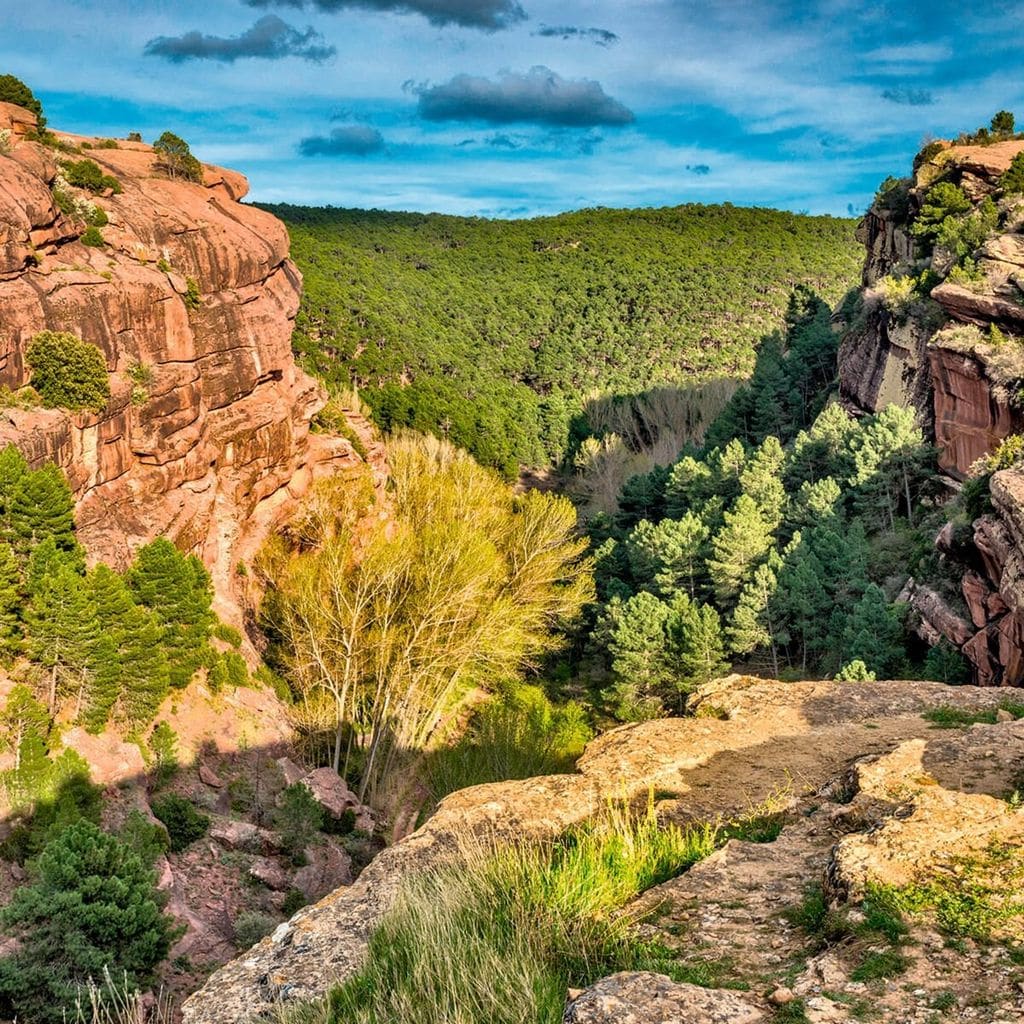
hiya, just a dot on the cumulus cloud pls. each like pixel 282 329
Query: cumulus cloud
pixel 270 38
pixel 598 36
pixel 909 97
pixel 348 140
pixel 489 15
pixel 540 96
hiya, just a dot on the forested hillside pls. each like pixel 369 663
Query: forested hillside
pixel 493 333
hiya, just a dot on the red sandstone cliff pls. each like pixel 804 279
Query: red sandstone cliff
pixel 216 450
pixel 958 390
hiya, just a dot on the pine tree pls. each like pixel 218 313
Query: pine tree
pixel 761 480
pixel 13 469
pixel 667 556
pixel 690 483
pixel 11 604
pixel 697 640
pixel 21 715
pixel 62 631
pixel 801 602
pixel 47 559
pixel 753 626
pixel 816 503
pixel 737 548
pixel 42 506
pixel 874 634
pixel 91 906
pixel 177 589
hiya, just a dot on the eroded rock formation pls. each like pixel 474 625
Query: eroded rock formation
pixel 960 391
pixel 805 745
pixel 194 296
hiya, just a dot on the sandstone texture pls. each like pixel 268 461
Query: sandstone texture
pixel 802 749
pixel 216 448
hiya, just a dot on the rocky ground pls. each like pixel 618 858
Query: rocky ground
pixel 874 793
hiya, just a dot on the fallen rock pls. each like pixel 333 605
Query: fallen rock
pixel 328 866
pixel 209 777
pixel 270 873
pixel 648 998
pixel 242 835
pixel 330 792
pixel 291 771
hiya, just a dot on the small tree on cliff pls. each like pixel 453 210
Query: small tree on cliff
pixel 1003 123
pixel 67 372
pixel 41 508
pixel 175 158
pixel 14 90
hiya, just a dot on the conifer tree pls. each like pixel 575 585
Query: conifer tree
pixel 46 559
pixel 177 589
pixel 13 468
pixel 737 549
pixel 667 556
pixel 11 604
pixel 92 906
pixel 874 634
pixel 62 631
pixel 690 483
pixel 753 625
pixel 801 601
pixel 697 639
pixel 21 715
pixel 761 479
pixel 41 506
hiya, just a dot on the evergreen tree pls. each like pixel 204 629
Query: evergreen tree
pixel 21 715
pixel 737 549
pixel 92 906
pixel 874 635
pixel 855 672
pixel 13 469
pixel 667 557
pixel 63 630
pixel 177 589
pixel 801 603
pixel 643 497
pixel 824 449
pixel 47 559
pixel 690 483
pixel 761 480
pixel 11 604
pixel 753 625
pixel 41 506
pixel 696 632
pixel 816 503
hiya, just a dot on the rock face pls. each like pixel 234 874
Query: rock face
pixel 989 631
pixel 193 294
pixel 960 394
pixel 765 735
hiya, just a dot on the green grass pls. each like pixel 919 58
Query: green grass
pixel 946 716
pixel 500 938
pixel 793 1012
pixel 878 964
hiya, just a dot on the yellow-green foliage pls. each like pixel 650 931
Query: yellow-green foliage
pixel 385 630
pixel 67 372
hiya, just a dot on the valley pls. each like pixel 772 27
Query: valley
pixel 313 708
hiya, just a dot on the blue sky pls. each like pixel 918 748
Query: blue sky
pixel 506 108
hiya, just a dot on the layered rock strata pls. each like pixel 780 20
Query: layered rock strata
pixel 206 437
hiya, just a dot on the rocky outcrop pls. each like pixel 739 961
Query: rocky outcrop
pixel 961 395
pixel 763 735
pixel 206 438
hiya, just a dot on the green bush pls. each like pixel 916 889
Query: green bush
pixel 89 175
pixel 14 90
pixel 1012 181
pixel 183 822
pixel 1002 123
pixel 251 926
pixel 92 238
pixel 294 901
pixel 298 819
pixel 227 634
pixel 163 746
pixel 68 373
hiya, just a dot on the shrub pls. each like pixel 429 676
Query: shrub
pixel 14 90
pixel 228 634
pixel 68 373
pixel 5 141
pixel 298 819
pixel 294 901
pixel 1012 181
pixel 149 841
pixel 163 745
pixel 135 136
pixel 87 174
pixel 193 300
pixel 142 378
pixel 175 158
pixel 929 152
pixel 92 238
pixel 941 202
pixel 183 822
pixel 251 926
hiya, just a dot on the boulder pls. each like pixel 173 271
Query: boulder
pixel 328 867
pixel 270 873
pixel 209 777
pixel 241 835
pixel 647 998
pixel 330 791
